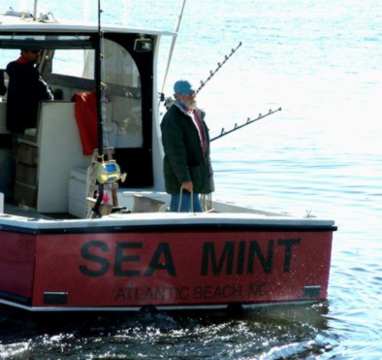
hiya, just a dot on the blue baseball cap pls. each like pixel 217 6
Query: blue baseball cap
pixel 183 87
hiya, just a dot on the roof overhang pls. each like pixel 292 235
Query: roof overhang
pixel 54 28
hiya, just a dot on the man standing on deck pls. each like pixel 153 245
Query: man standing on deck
pixel 26 89
pixel 187 164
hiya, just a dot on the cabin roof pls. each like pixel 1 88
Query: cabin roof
pixel 48 28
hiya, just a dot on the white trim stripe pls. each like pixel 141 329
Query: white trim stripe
pixel 167 218
pixel 37 309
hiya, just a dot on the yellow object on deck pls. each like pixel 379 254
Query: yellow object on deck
pixel 108 172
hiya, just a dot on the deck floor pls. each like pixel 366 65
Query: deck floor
pixel 33 213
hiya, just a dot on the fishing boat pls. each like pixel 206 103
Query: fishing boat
pixel 55 257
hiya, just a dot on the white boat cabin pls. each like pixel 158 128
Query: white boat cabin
pixel 50 163
pixel 46 171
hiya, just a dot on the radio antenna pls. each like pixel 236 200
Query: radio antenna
pixel 35 10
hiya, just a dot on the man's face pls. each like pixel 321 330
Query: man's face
pixel 31 55
pixel 189 100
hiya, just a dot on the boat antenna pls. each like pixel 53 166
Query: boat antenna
pixel 248 122
pixel 35 10
pixel 219 66
pixel 172 47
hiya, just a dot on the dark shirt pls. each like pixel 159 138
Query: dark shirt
pixel 26 89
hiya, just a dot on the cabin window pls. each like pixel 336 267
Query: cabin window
pixel 8 55
pixel 72 63
pixel 69 66
pixel 123 115
pixel 123 127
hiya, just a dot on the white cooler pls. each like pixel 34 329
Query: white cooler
pixel 77 193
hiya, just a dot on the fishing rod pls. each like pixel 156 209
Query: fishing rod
pixel 169 100
pixel 236 126
pixel 106 172
pixel 248 122
pixel 98 80
pixel 219 66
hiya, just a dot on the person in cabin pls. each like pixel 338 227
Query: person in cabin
pixel 187 165
pixel 26 89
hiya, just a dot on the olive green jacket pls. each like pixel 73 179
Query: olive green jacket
pixel 184 158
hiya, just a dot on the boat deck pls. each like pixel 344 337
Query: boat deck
pixel 31 213
pixel 137 202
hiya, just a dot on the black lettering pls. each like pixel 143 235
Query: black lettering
pixel 237 290
pixel 197 293
pixel 228 291
pixel 88 255
pixel 226 259
pixel 183 293
pixel 121 258
pixel 218 292
pixel 158 294
pixel 241 258
pixel 288 243
pixel 256 289
pixel 120 295
pixel 266 263
pixel 208 292
pixel 157 264
pixel 148 293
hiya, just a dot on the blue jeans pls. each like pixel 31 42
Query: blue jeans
pixel 186 202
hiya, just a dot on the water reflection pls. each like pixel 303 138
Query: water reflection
pixel 269 333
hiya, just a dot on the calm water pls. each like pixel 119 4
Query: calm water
pixel 319 60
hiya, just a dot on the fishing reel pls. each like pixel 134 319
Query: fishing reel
pixel 168 102
pixel 108 172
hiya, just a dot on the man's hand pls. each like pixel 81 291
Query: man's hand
pixel 187 185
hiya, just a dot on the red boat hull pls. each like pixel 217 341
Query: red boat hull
pixel 170 268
